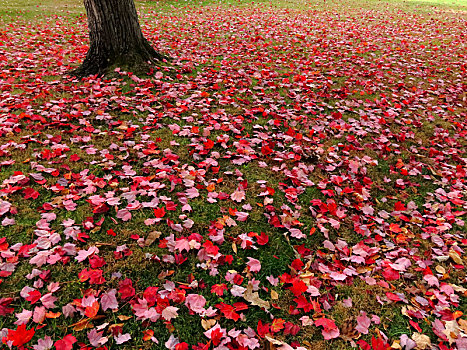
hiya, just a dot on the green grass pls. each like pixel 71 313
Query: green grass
pixel 30 10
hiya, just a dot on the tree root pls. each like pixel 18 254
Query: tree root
pixel 139 60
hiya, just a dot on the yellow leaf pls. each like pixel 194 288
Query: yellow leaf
pixel 123 318
pixel 208 324
pixel 463 325
pixel 455 256
pixel 423 341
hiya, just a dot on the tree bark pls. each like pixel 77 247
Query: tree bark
pixel 115 38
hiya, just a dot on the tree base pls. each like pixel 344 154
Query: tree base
pixel 139 61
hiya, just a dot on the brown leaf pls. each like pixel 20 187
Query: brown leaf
pixel 165 274
pixel 348 331
pixel 112 326
pixel 254 299
pixel 151 238
pixel 83 324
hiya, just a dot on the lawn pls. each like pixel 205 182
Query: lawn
pixel 294 178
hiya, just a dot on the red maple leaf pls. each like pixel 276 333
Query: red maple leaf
pixel 94 276
pixel 395 228
pixel 3 244
pixel 393 297
pixel 20 336
pixel 390 274
pixel 208 144
pixel 74 158
pixel 33 296
pixel 298 287
pixel 66 343
pixel 96 261
pixel 379 344
pixel 216 336
pixel 291 329
pixel 211 249
pixel 399 206
pixel 262 329
pixel 126 288
pixel 303 303
pixel 30 193
pixel 240 306
pixel 181 346
pixel 218 289
pixel 228 311
pixel 262 239
pixel 111 232
pixel 159 212
pixel 4 309
pixel 297 264
pixel 266 150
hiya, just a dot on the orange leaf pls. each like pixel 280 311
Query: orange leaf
pixel 83 324
pixel 92 310
pixel 148 334
pixel 53 314
pixel 123 317
pixel 277 325
pixel 395 228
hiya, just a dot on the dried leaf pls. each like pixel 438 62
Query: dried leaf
pixel 208 324
pixel 348 331
pixel 151 238
pixel 254 299
pixel 83 324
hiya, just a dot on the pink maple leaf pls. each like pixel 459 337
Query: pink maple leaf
pixel 122 338
pixel 254 265
pixel 169 313
pixel 363 322
pixel 124 214
pixel 195 302
pixel 45 343
pixel 109 300
pixel 238 196
pixel 96 338
pixel 330 329
pixel 23 317
pixel 48 300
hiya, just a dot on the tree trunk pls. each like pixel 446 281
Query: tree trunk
pixel 115 38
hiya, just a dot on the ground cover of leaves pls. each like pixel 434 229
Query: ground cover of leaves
pixel 294 179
